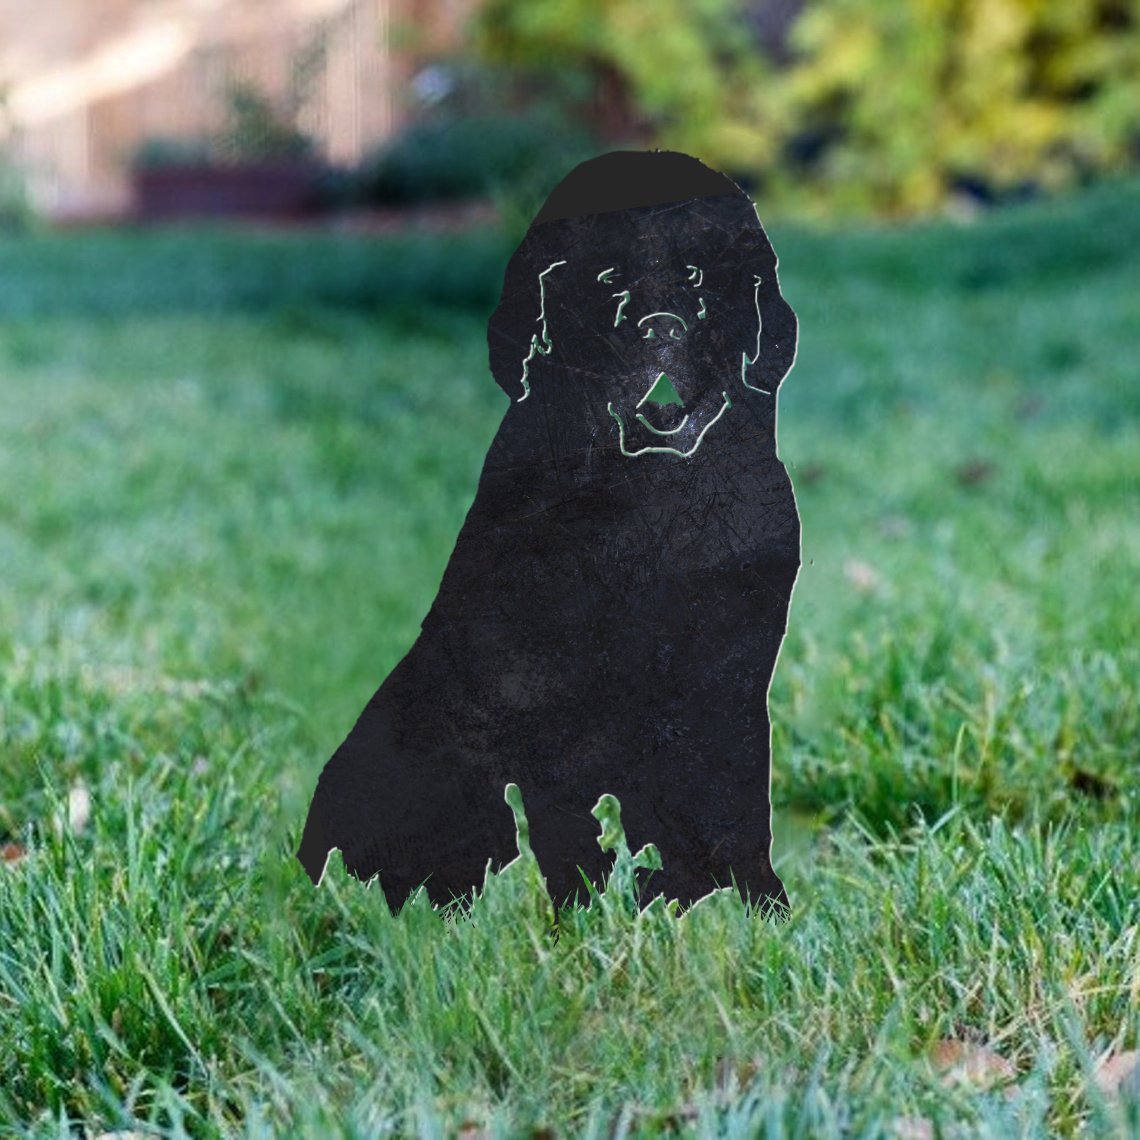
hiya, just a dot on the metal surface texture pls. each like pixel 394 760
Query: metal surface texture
pixel 612 613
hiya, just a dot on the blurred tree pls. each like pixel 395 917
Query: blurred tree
pixel 892 104
pixel 864 105
pixel 686 74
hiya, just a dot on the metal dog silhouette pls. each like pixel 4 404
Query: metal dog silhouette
pixel 612 613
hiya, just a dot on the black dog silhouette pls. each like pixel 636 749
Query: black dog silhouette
pixel 612 613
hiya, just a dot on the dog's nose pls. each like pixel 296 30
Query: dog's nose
pixel 662 326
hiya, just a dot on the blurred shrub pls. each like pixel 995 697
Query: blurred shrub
pixel 256 129
pixel 510 158
pixel 16 211
pixel 164 151
pixel 893 104
pixel 688 70
pixel 259 128
pixel 866 105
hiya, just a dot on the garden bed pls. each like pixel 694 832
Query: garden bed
pixel 283 189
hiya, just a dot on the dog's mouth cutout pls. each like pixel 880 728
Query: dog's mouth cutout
pixel 662 402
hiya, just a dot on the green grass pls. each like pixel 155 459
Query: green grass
pixel 232 467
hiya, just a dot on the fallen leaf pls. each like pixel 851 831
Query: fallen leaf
pixel 1091 785
pixel 974 472
pixel 894 526
pixel 1118 1075
pixel 667 1120
pixel 744 1072
pixel 12 852
pixel 961 1063
pixel 78 807
pixel 914 1128
pixel 469 1130
pixel 861 575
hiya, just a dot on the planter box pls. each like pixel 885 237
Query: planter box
pixel 263 189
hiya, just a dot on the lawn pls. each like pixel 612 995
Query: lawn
pixel 232 467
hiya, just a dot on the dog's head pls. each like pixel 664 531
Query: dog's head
pixel 647 285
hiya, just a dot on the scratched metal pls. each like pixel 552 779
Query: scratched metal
pixel 612 613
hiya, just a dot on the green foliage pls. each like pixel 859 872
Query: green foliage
pixel 686 65
pixel 16 212
pixel 887 106
pixel 468 156
pixel 895 102
pixel 259 128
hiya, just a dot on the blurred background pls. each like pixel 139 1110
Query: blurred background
pixel 832 106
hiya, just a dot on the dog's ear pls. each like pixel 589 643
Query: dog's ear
pixel 520 329
pixel 775 352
